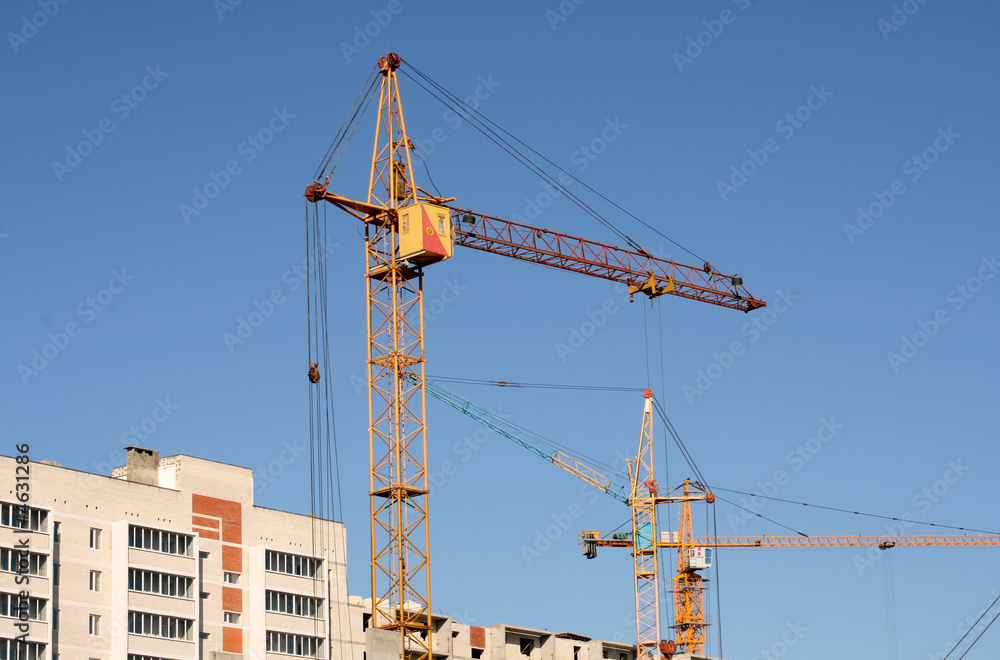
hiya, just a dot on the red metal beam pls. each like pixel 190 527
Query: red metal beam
pixel 629 267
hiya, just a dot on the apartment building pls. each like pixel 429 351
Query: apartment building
pixel 169 559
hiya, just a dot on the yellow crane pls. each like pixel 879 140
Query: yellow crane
pixel 407 229
pixel 694 554
pixel 640 495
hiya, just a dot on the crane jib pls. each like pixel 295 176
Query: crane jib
pixel 642 272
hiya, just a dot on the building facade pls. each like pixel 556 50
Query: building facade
pixel 170 559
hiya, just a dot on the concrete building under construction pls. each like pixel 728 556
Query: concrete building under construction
pixel 169 558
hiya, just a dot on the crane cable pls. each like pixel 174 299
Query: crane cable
pixel 985 612
pixel 761 516
pixel 454 104
pixel 890 604
pixel 521 385
pixel 357 110
pixel 324 470
pixel 858 513
pixel 484 118
pixel 680 445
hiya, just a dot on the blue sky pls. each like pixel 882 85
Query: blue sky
pixel 840 156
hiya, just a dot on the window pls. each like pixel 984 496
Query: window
pixel 95 580
pixel 366 621
pixel 204 595
pixel 289 644
pixel 95 538
pixel 14 606
pixel 20 650
pixel 55 575
pixel 95 624
pixel 133 656
pixel 527 645
pixel 23 517
pixel 157 625
pixel 230 617
pixel 441 225
pixel 576 653
pixel 283 562
pixel 477 654
pixel 231 578
pixel 151 582
pixel 55 533
pixel 203 635
pixel 170 543
pixel 55 620
pixel 14 561
pixel 404 223
pixel 276 601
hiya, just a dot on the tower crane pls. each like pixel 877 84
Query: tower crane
pixel 407 229
pixel 640 495
pixel 695 554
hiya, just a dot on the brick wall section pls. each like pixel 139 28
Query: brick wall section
pixel 232 559
pixel 477 637
pixel 232 640
pixel 231 514
pixel 198 521
pixel 214 511
pixel 232 599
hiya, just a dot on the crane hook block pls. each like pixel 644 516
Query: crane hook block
pixel 314 372
pixel 649 287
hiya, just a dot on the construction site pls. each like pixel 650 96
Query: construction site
pixel 583 356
